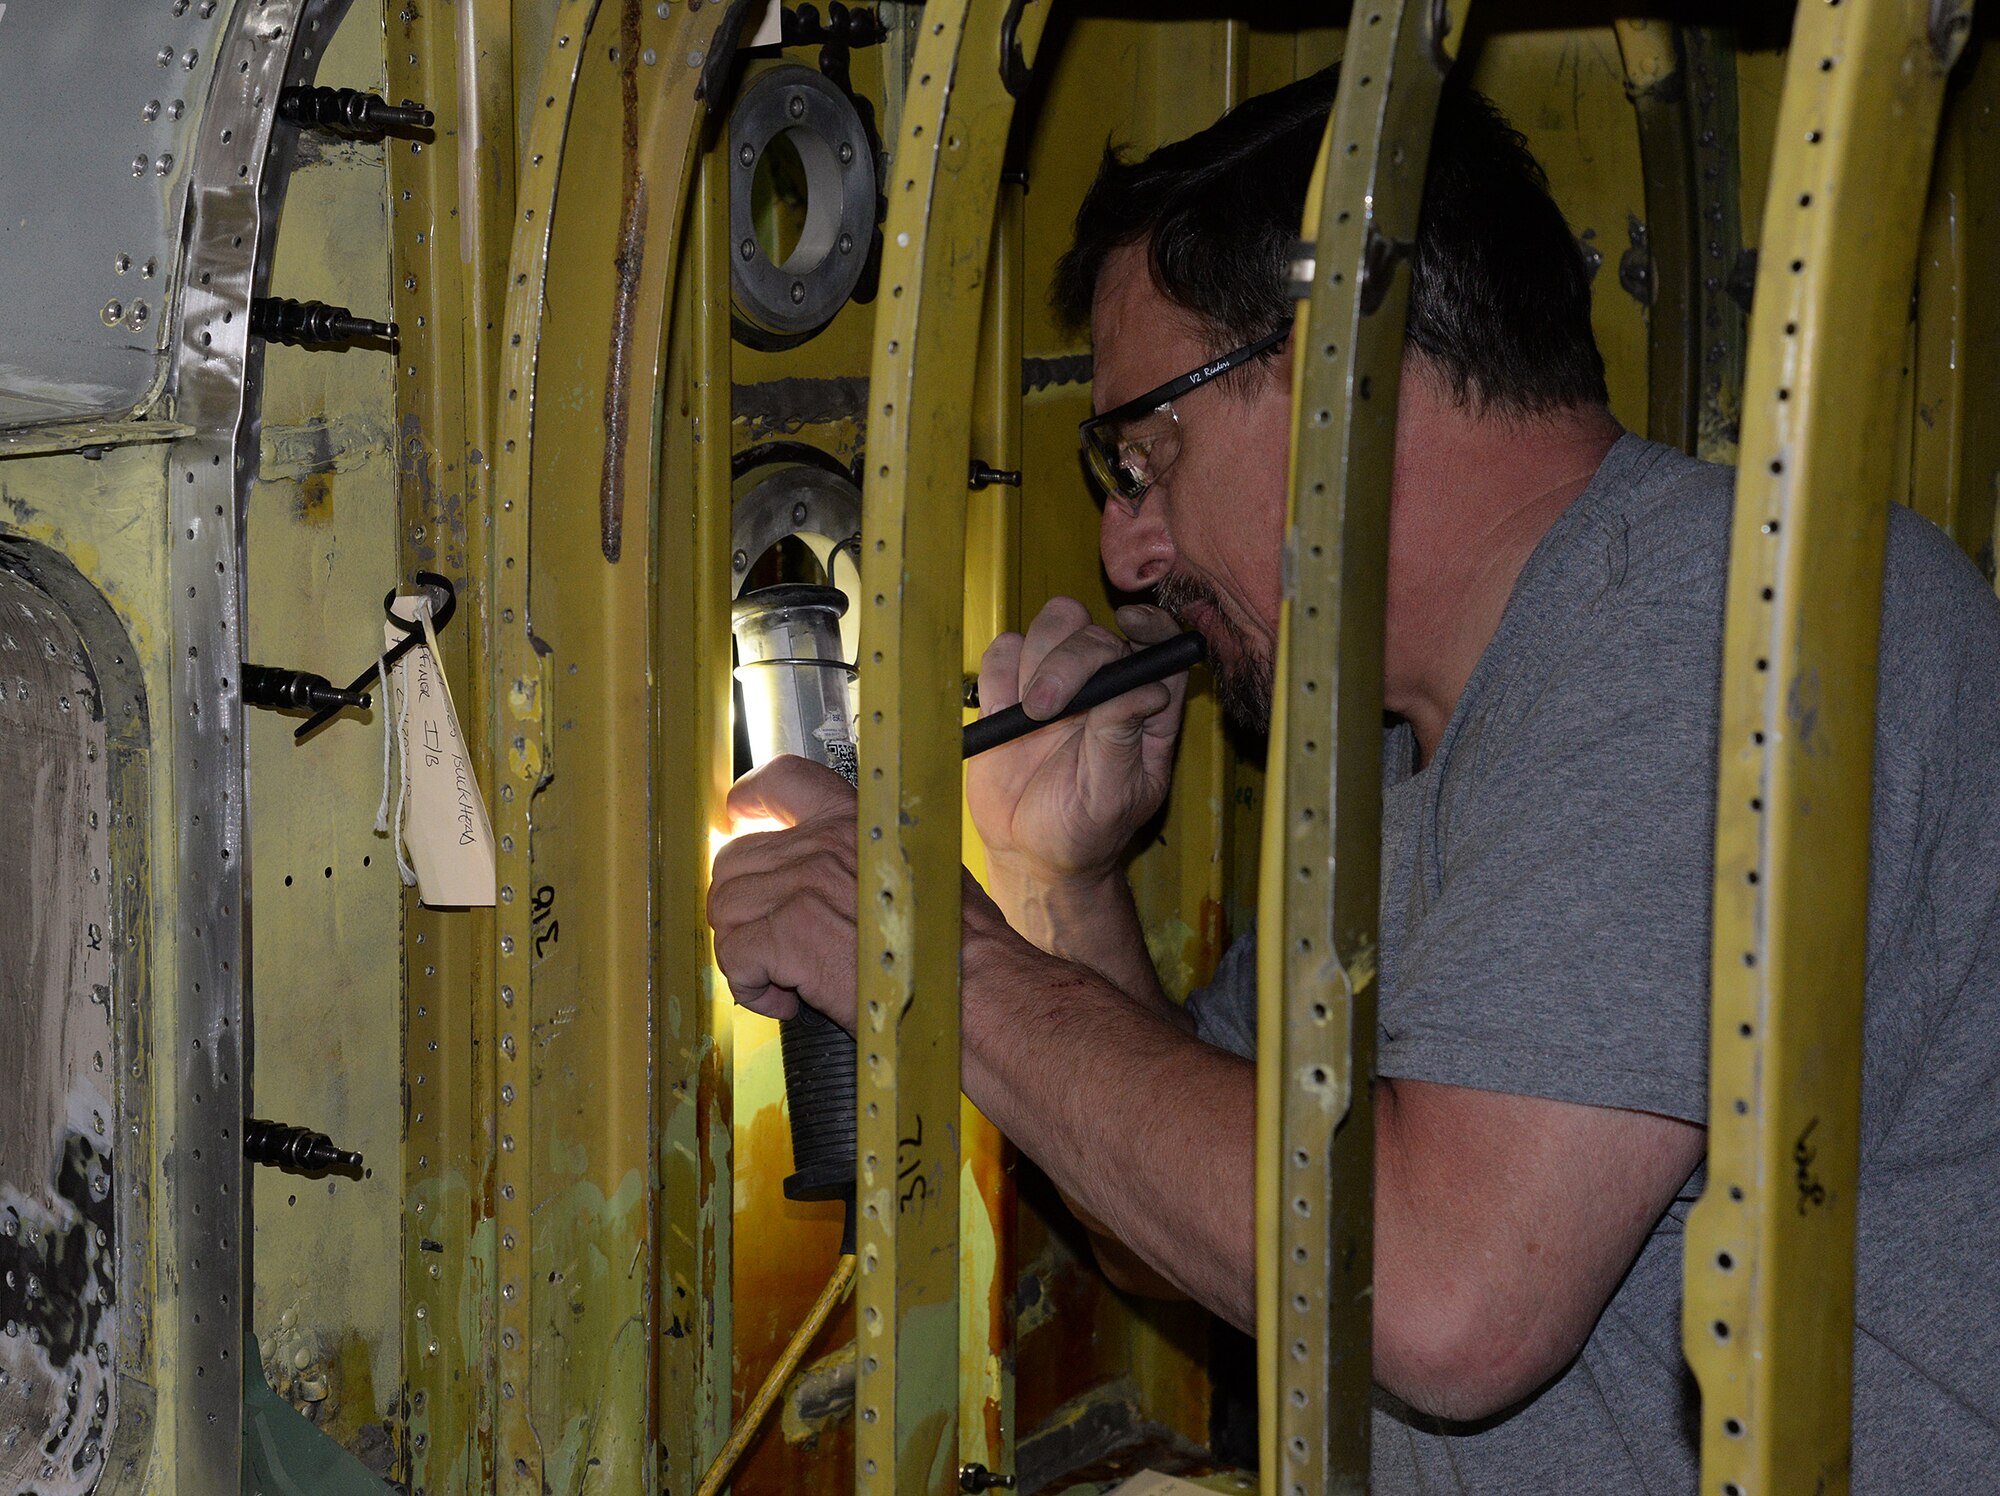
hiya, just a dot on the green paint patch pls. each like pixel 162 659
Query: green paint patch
pixel 1174 945
pixel 590 1295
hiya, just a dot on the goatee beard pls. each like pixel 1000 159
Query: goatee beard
pixel 1242 676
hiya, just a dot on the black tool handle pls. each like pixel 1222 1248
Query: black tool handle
pixel 1154 663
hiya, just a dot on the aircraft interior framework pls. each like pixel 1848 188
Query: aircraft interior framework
pixel 444 444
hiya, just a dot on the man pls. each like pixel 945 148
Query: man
pixel 1555 594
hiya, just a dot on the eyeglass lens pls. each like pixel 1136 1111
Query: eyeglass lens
pixel 1131 456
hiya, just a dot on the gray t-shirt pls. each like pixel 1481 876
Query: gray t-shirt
pixel 1546 887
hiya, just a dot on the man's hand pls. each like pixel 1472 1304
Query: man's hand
pixel 1060 805
pixel 782 902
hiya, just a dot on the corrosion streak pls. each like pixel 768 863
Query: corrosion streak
pixel 631 257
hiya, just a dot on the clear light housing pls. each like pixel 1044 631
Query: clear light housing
pixel 798 691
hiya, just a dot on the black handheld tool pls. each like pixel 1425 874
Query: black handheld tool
pixel 1153 663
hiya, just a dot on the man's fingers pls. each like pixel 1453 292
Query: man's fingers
pixel 1145 624
pixel 790 790
pixel 740 955
pixel 1000 674
pixel 805 893
pixel 775 940
pixel 1060 617
pixel 1066 667
pixel 1124 720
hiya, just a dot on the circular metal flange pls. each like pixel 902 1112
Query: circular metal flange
pixel 801 295
pixel 820 507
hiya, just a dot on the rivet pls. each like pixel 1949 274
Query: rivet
pixel 846 153
pixel 747 155
pixel 798 292
pixel 797 107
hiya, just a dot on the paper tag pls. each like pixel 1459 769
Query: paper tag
pixel 444 822
pixel 762 28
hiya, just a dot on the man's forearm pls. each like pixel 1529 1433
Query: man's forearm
pixel 1149 1130
pixel 1093 923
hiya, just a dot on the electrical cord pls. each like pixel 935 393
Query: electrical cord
pixel 788 1363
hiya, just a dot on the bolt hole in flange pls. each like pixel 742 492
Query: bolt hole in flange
pixel 802 204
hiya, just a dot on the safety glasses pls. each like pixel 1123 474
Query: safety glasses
pixel 1129 448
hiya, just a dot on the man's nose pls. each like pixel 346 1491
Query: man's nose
pixel 1137 548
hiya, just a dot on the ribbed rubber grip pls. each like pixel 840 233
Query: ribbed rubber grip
pixel 819 1093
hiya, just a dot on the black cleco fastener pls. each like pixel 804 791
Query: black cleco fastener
pixel 312 324
pixel 296 690
pixel 350 111
pixel 298 1150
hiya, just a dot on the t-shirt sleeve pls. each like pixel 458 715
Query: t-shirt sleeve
pixel 1225 1011
pixel 1563 948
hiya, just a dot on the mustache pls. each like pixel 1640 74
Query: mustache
pixel 1242 676
pixel 1179 593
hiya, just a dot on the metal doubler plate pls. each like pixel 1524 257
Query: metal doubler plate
pixel 106 102
pixel 238 187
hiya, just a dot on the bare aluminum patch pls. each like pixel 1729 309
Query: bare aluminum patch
pixel 58 1118
pixel 93 194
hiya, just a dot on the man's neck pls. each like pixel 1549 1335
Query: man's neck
pixel 1475 494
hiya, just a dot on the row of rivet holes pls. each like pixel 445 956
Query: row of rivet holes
pixel 418 1397
pixel 1723 1260
pixel 224 1350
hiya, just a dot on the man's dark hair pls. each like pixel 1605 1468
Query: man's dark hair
pixel 1499 295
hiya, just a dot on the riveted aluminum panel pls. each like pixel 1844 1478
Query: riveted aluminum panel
pixel 105 103
pixel 59 1236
